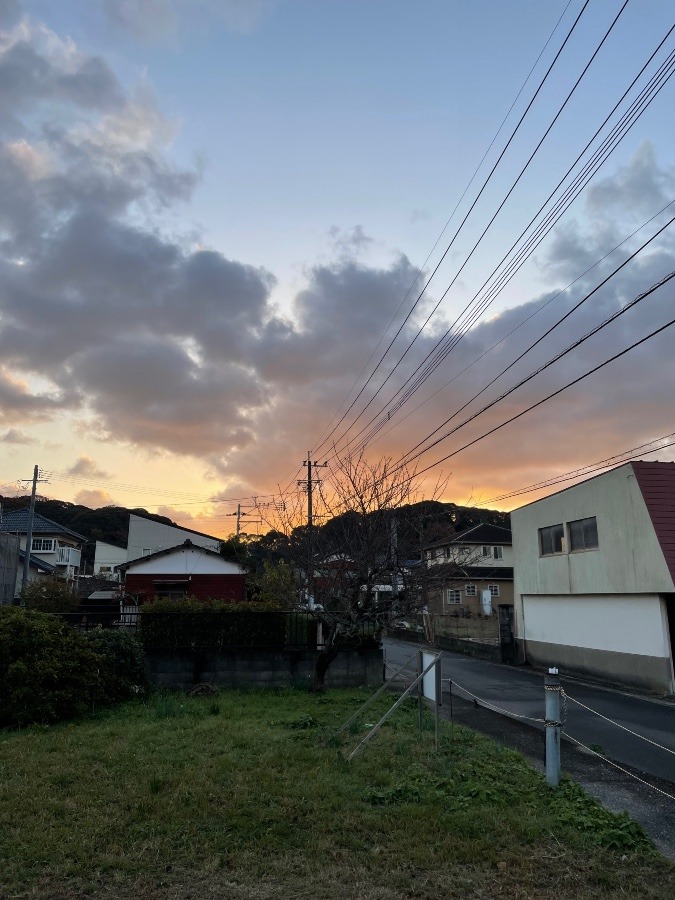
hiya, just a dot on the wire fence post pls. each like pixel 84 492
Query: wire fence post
pixel 553 727
pixel 420 689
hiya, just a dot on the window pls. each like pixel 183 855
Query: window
pixel 43 545
pixel 583 534
pixel 453 596
pixel 498 552
pixel 487 551
pixel 470 590
pixel 494 590
pixel 551 540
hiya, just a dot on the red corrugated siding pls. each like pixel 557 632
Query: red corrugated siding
pixel 204 587
pixel 656 481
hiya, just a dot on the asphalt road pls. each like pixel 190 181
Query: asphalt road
pixel 520 691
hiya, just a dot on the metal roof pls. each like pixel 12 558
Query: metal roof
pixel 656 481
pixel 483 533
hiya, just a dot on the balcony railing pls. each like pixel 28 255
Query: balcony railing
pixel 67 556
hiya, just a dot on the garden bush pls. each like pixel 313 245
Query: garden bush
pixel 215 625
pixel 48 671
pixel 123 669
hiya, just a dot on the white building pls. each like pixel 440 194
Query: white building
pixel 147 536
pixel 107 558
pixel 594 577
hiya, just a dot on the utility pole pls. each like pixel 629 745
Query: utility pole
pixel 239 513
pixel 29 531
pixel 309 483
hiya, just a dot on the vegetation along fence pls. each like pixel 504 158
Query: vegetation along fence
pixel 219 629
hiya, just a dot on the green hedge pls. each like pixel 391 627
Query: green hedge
pixel 49 671
pixel 192 624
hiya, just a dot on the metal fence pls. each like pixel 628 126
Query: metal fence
pixel 219 629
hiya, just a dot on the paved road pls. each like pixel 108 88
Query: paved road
pixel 520 691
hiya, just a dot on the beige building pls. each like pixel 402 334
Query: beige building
pixel 594 577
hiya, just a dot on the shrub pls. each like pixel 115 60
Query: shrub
pixel 48 671
pixel 51 594
pixel 214 625
pixel 123 670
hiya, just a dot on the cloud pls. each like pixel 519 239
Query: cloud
pixel 95 498
pixel 159 345
pixel 153 20
pixel 86 467
pixel 16 436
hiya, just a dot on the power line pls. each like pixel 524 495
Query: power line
pixel 452 241
pixel 571 347
pixel 436 243
pixel 608 463
pixel 451 338
pixel 550 396
pixel 524 321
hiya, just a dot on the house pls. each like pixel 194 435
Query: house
pixel 469 572
pixel 595 577
pixel 106 559
pixel 54 548
pixel 147 536
pixel 187 570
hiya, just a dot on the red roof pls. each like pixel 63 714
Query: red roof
pixel 656 481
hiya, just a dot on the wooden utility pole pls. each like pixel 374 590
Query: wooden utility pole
pixel 309 483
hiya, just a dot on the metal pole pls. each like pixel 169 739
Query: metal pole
pixel 29 532
pixel 439 699
pixel 553 727
pixel 420 689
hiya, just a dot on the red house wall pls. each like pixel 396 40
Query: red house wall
pixel 204 587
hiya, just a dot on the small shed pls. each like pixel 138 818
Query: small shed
pixel 187 570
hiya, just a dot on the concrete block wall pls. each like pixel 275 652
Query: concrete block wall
pixel 247 668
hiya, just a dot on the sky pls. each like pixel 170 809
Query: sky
pixel 216 215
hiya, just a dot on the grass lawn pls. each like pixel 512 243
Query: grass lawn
pixel 236 796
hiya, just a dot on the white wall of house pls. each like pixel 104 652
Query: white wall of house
pixel 186 562
pixel 489 555
pixel 146 537
pixel 106 557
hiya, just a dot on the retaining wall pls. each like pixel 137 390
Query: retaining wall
pixel 246 668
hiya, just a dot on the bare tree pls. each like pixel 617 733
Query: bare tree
pixel 357 567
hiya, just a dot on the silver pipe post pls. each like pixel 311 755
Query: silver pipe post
pixel 553 726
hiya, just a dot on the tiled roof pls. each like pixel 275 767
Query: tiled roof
pixel 17 522
pixel 37 562
pixel 483 533
pixel 453 572
pixel 656 481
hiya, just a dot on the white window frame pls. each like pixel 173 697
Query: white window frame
pixel 470 590
pixel 452 597
pixel 42 542
pixel 498 552
pixel 494 590
pixel 487 551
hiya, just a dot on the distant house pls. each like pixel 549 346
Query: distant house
pixel 187 570
pixel 147 537
pixel 106 559
pixel 595 577
pixel 471 571
pixel 54 548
